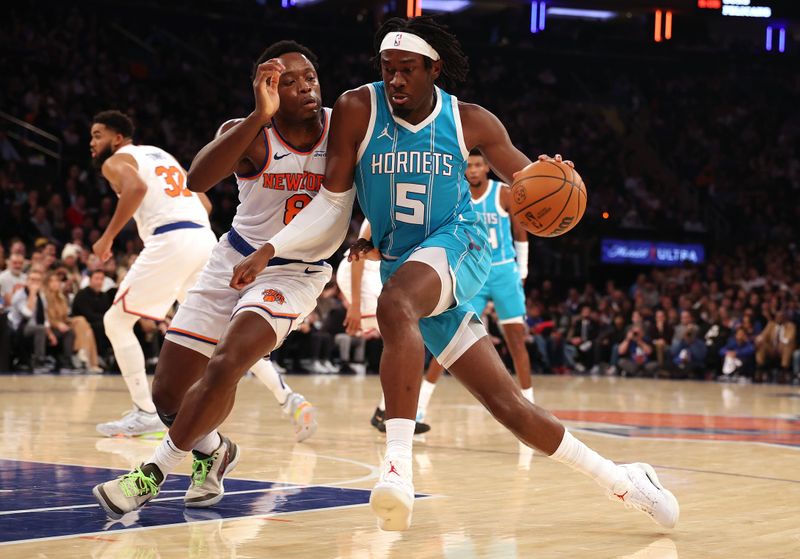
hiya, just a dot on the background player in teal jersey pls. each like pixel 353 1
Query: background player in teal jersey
pixel 508 243
pixel 405 143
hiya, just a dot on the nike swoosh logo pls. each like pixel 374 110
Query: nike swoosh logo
pixel 310 271
pixel 280 156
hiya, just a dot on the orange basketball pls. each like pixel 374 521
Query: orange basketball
pixel 548 197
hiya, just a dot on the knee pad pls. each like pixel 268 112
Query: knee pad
pixel 167 418
pixel 119 325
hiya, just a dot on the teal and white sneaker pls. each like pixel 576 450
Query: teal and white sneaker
pixel 129 492
pixel 208 472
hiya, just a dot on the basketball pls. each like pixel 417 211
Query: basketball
pixel 548 197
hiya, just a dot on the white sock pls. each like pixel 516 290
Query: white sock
pixel 425 393
pixel 167 456
pixel 583 459
pixel 382 405
pixel 131 364
pixel 399 437
pixel 527 393
pixel 266 373
pixel 209 443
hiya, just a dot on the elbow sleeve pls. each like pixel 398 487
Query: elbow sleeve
pixel 319 229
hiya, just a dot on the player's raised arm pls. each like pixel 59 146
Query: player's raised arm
pixel 122 172
pixel 228 152
pixel 319 229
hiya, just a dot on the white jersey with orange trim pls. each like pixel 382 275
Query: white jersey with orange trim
pixel 167 200
pixel 286 182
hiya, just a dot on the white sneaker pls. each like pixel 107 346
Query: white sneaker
pixel 330 366
pixel 134 423
pixel 129 492
pixel 208 472
pixel 316 367
pixel 359 368
pixel 640 489
pixel 302 414
pixel 392 498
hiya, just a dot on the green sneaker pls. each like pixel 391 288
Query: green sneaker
pixel 208 472
pixel 129 492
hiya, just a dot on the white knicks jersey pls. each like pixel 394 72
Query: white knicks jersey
pixel 285 184
pixel 167 200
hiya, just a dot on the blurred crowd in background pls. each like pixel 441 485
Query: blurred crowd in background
pixel 669 150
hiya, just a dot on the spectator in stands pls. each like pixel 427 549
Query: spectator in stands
pixel 91 303
pixel 311 346
pixel 775 344
pixel 660 334
pixel 581 336
pixel 608 343
pixel 737 356
pixel 635 354
pixel 690 354
pixel 679 333
pixel 13 278
pixel 58 319
pixel 28 319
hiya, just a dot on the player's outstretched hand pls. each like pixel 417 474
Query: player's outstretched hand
pixel 362 249
pixel 265 88
pixel 245 272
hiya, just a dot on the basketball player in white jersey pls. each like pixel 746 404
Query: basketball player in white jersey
pixel 173 224
pixel 360 284
pixel 278 154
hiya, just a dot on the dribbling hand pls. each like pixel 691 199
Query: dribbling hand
pixel 265 88
pixel 362 249
pixel 545 157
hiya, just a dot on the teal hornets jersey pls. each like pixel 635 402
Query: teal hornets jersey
pixel 410 177
pixel 497 222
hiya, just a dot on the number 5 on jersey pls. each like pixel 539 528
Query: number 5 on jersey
pixel 417 207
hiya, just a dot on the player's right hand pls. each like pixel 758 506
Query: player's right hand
pixel 362 249
pixel 352 321
pixel 245 272
pixel 265 88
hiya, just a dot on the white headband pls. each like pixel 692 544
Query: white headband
pixel 409 42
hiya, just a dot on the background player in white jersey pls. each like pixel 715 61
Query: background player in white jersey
pixel 360 284
pixel 508 242
pixel 278 154
pixel 173 224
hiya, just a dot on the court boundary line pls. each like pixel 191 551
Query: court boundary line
pixel 141 528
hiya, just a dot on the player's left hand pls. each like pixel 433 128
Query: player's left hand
pixel 102 248
pixel 245 272
pixel 362 249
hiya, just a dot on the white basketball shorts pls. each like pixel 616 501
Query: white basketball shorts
pixel 283 295
pixel 167 267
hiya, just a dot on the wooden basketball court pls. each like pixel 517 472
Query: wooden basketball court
pixel 730 453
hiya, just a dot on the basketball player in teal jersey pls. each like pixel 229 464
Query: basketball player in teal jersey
pixel 508 243
pixel 409 172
